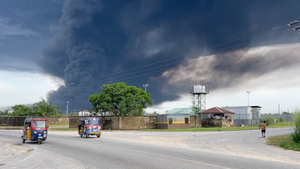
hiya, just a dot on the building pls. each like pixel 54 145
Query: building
pixel 245 115
pixel 181 111
pixel 217 117
pixel 173 121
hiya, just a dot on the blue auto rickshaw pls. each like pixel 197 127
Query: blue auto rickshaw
pixel 35 129
pixel 89 126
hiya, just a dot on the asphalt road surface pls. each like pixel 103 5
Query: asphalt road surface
pixel 136 149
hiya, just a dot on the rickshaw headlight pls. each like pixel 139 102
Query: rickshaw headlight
pixel 34 132
pixel 45 132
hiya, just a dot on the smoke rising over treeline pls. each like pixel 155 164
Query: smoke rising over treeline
pixel 111 41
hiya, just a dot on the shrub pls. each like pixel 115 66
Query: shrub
pixel 296 135
pixel 269 120
pixel 281 119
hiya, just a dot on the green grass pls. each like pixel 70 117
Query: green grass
pixel 284 124
pixel 58 125
pixel 193 129
pixel 284 141
pixel 65 127
pixel 62 129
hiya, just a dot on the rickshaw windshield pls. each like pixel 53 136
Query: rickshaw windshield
pixel 39 124
pixel 91 122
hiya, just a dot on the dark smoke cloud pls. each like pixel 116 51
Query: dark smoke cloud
pixel 75 56
pixel 101 38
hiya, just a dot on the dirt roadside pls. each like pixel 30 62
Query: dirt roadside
pixel 9 151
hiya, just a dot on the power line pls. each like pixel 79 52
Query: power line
pixel 123 77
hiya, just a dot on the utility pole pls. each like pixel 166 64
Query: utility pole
pixel 67 108
pixel 248 92
pixel 145 85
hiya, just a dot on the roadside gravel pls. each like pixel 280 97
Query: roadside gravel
pixel 8 151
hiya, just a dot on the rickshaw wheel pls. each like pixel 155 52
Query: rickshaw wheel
pixel 39 142
pixel 23 140
pixel 86 135
pixel 80 135
pixel 98 136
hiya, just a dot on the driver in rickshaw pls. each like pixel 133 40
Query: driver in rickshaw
pixel 27 127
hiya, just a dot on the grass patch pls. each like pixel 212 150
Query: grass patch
pixel 284 124
pixel 58 125
pixel 195 129
pixel 62 129
pixel 29 150
pixel 17 144
pixel 204 129
pixel 283 141
pixel 65 127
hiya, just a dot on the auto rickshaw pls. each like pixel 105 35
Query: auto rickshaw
pixel 35 129
pixel 89 126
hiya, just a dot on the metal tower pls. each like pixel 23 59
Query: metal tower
pixel 198 94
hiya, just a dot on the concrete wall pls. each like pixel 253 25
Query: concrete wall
pixel 217 123
pixel 57 120
pixel 121 123
pixel 11 121
pixel 195 121
pixel 142 122
pixel 107 122
pixel 19 121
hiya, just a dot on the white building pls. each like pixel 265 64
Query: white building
pixel 247 115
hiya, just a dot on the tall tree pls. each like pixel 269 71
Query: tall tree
pixel 120 99
pixel 42 108
pixel 20 110
pixel 4 113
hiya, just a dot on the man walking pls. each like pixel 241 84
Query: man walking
pixel 263 126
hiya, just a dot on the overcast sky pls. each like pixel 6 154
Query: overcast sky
pixel 66 50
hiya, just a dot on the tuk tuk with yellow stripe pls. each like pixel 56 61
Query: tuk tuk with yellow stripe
pixel 89 126
pixel 35 129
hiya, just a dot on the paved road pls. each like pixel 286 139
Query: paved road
pixel 133 149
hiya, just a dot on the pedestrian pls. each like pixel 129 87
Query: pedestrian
pixel 263 127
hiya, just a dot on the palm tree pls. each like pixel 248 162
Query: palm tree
pixel 42 108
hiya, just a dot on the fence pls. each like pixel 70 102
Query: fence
pixel 11 121
pixel 254 119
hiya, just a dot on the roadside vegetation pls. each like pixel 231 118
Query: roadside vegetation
pixel 41 108
pixel 289 141
pixel 277 125
pixel 284 141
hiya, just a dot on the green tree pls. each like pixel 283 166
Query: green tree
pixel 4 113
pixel 197 110
pixel 120 99
pixel 20 110
pixel 42 108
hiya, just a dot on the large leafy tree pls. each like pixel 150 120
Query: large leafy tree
pixel 42 108
pixel 20 110
pixel 120 99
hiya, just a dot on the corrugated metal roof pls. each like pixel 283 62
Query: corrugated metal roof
pixel 217 110
pixel 181 111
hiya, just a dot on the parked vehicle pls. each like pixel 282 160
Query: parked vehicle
pixel 89 126
pixel 35 129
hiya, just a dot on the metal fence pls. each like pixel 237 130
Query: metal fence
pixel 11 121
pixel 254 119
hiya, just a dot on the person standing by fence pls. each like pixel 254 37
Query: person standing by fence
pixel 263 127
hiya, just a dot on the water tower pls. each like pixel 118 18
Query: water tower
pixel 198 94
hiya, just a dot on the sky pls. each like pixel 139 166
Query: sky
pixel 64 51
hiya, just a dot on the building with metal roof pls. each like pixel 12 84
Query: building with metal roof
pixel 217 117
pixel 245 115
pixel 181 111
